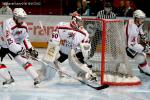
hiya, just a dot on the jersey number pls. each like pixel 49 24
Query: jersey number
pixel 10 41
pixel 55 36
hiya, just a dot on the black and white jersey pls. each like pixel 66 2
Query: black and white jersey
pixel 102 15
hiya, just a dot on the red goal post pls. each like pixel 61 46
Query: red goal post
pixel 108 52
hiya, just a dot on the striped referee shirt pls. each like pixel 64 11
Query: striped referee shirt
pixel 102 15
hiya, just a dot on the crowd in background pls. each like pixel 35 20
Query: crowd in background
pixel 123 8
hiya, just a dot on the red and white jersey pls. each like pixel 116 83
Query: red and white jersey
pixel 133 33
pixel 69 37
pixel 13 35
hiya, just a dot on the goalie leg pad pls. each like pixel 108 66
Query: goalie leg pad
pixel 45 73
pixel 48 73
pixel 76 65
pixel 74 62
pixel 140 58
pixel 52 51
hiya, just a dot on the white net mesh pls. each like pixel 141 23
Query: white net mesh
pixel 108 55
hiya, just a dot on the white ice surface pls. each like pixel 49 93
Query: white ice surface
pixel 58 90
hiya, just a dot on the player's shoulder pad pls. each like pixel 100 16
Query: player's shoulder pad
pixel 63 24
pixel 131 22
pixel 9 23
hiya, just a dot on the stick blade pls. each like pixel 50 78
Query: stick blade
pixel 102 87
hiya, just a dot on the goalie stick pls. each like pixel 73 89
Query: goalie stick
pixel 85 83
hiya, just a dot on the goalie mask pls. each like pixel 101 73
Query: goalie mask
pixel 19 15
pixel 139 17
pixel 76 21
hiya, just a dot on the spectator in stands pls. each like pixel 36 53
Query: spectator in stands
pixel 128 9
pixel 5 9
pixel 85 8
pixel 121 9
pixel 79 7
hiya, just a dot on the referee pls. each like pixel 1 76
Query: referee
pixel 103 14
pixel 107 12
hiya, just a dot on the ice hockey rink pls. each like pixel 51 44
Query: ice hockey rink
pixel 65 90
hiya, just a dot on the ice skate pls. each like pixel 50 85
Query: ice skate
pixel 37 82
pixel 141 71
pixel 9 83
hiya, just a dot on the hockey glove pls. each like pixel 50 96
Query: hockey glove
pixel 143 37
pixel 22 52
pixel 143 40
pixel 147 49
pixel 33 52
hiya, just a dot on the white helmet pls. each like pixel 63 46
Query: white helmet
pixel 19 12
pixel 138 14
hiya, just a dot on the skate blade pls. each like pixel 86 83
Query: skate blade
pixel 9 85
pixel 37 86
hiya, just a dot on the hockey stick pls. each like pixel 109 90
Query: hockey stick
pixel 85 83
pixel 41 25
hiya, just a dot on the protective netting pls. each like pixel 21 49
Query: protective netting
pixel 108 55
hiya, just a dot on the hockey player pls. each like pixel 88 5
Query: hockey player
pixel 14 41
pixel 135 49
pixel 72 42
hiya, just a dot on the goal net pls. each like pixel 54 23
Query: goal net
pixel 108 55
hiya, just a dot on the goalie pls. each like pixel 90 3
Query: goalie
pixel 71 40
pixel 135 49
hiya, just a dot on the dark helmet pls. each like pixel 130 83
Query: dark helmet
pixel 107 4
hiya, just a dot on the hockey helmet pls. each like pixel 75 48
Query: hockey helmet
pixel 19 14
pixel 76 21
pixel 138 14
